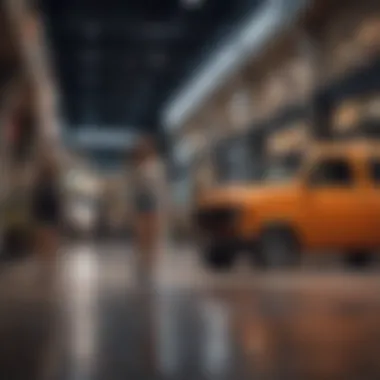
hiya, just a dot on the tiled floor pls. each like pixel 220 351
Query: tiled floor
pixel 188 325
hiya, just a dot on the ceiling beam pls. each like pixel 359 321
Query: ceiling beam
pixel 227 59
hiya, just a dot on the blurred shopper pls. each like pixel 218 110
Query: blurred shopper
pixel 15 218
pixel 46 213
pixel 149 195
pixel 148 184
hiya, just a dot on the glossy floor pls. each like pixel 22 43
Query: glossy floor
pixel 186 323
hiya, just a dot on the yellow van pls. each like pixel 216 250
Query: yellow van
pixel 331 203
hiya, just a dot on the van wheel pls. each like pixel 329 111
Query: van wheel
pixel 359 259
pixel 219 258
pixel 279 248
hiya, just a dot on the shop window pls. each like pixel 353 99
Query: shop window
pixel 332 172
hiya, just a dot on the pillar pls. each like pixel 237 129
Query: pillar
pixel 28 29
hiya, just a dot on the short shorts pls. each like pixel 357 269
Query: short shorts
pixel 145 203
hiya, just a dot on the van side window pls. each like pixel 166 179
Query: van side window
pixel 331 172
pixel 374 170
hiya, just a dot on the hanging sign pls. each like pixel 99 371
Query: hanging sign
pixel 294 138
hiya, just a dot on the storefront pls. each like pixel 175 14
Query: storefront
pixel 278 132
pixel 349 52
pixel 351 106
pixel 286 146
pixel 281 82
pixel 349 38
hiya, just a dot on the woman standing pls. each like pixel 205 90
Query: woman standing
pixel 149 231
pixel 148 202
pixel 46 213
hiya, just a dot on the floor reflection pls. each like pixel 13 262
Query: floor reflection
pixel 258 331
pixel 81 306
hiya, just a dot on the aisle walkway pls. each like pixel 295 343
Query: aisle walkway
pixel 191 325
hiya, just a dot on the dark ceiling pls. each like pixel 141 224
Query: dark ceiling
pixel 118 61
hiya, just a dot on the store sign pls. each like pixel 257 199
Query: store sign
pixel 353 114
pixel 348 116
pixel 294 138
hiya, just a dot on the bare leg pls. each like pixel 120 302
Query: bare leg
pixel 47 252
pixel 146 244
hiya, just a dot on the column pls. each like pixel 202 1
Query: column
pixel 27 28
